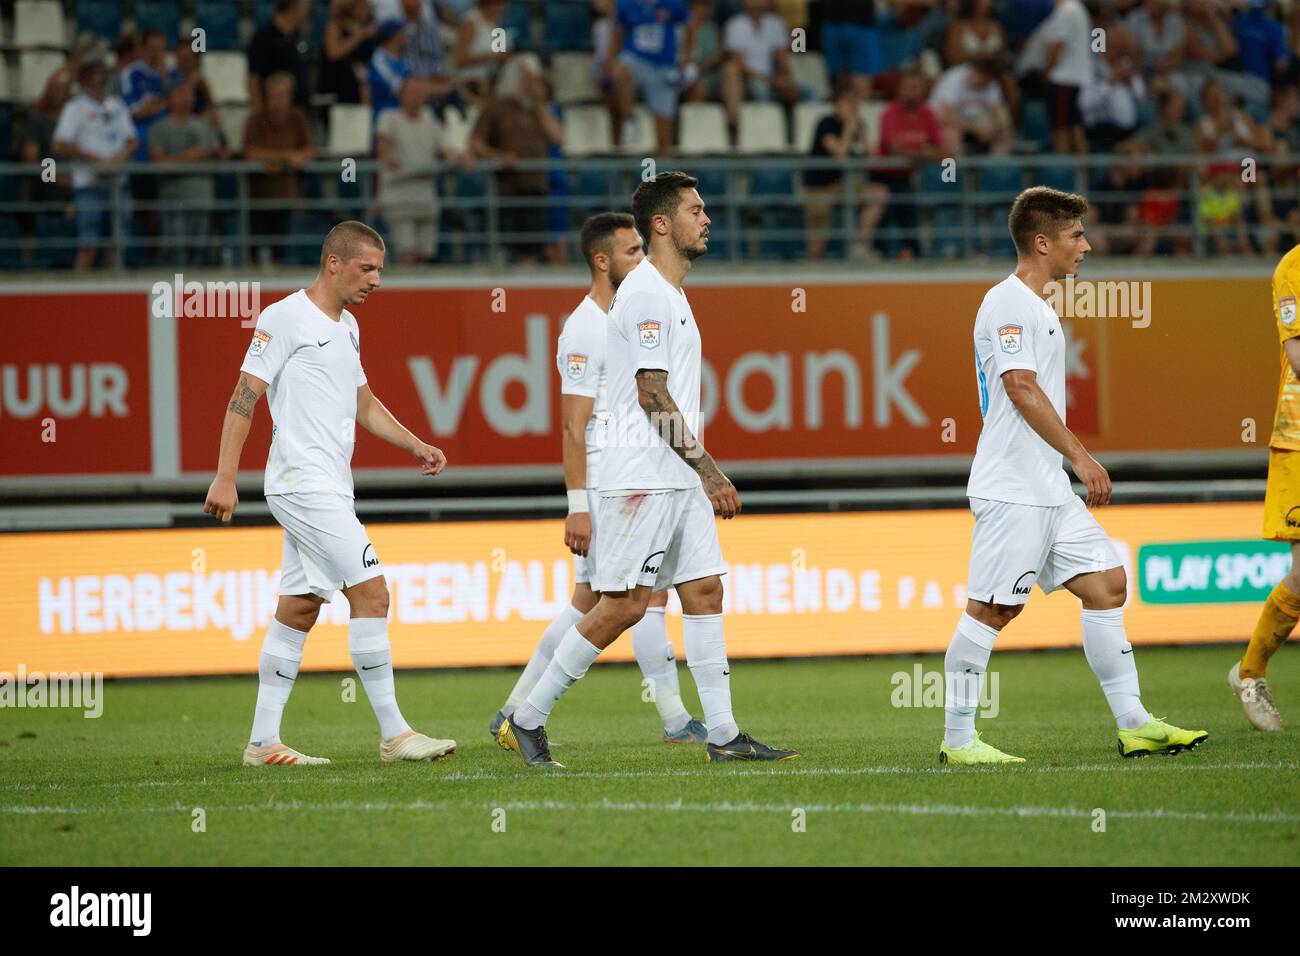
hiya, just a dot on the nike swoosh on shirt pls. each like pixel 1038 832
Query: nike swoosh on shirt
pixel 325 343
pixel 1051 331
pixel 683 321
pixel 1129 651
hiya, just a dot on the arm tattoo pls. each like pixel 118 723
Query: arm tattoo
pixel 666 418
pixel 243 400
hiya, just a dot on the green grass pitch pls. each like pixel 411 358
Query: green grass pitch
pixel 122 790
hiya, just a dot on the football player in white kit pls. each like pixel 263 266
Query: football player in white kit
pixel 658 488
pixel 1030 527
pixel 306 356
pixel 612 247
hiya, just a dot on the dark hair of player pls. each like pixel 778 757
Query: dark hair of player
pixel 659 196
pixel 598 233
pixel 347 239
pixel 1041 210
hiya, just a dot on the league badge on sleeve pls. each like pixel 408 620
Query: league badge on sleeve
pixel 1286 309
pixel 1009 338
pixel 649 332
pixel 260 341
pixel 576 366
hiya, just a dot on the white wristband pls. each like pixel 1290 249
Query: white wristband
pixel 578 501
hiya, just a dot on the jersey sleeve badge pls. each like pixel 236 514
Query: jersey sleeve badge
pixel 1009 338
pixel 649 333
pixel 1286 309
pixel 576 366
pixel 260 341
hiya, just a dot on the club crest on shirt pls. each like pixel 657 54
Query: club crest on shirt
pixel 260 341
pixel 649 332
pixel 577 365
pixel 1009 338
pixel 1286 309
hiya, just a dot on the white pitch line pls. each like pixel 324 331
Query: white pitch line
pixel 679 806
pixel 290 775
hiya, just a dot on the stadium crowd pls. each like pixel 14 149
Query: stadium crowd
pixel 445 84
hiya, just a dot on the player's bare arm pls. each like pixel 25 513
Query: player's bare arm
pixel 1036 408
pixel 657 402
pixel 575 412
pixel 222 498
pixel 1292 347
pixel 375 418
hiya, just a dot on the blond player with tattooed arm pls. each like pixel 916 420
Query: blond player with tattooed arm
pixel 306 356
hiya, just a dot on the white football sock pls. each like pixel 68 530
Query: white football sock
pixel 571 660
pixel 654 655
pixel 278 669
pixel 541 657
pixel 964 667
pixel 706 656
pixel 373 659
pixel 1110 656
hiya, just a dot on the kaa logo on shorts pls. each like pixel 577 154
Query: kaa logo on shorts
pixel 649 332
pixel 368 559
pixel 648 568
pixel 1022 586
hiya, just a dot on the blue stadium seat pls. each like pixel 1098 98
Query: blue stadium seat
pixel 568 25
pixel 53 228
pixel 103 18
pixel 1002 182
pixel 1059 177
pixel 263 10
pixel 518 24
pixel 220 21
pixel 164 15
pixel 939 204
pixel 8 146
pixel 1034 123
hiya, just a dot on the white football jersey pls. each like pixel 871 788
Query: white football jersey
pixel 580 357
pixel 312 366
pixel 650 326
pixel 1016 329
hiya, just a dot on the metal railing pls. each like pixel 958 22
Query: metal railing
pixel 949 210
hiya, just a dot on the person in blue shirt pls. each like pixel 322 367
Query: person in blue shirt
pixel 643 56
pixel 388 67
pixel 1262 41
pixel 146 87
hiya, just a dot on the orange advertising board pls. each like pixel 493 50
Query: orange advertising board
pixel 197 601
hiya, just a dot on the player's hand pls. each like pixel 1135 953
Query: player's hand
pixel 724 496
pixel 432 459
pixel 222 499
pixel 1094 478
pixel 577 532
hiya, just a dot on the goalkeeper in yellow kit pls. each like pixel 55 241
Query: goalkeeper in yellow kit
pixel 1281 509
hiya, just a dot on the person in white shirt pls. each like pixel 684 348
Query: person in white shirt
pixel 658 487
pixel 93 129
pixel 612 247
pixel 972 111
pixel 1060 49
pixel 757 45
pixel 306 357
pixel 1030 527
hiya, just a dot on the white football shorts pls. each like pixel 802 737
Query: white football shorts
pixel 658 538
pixel 1016 546
pixel 325 546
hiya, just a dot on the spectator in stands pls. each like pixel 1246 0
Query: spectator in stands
pixel 187 71
pixel 94 129
pixel 424 52
pixel 388 67
pixel 35 145
pixel 1113 213
pixel 974 34
pixel 1110 104
pixel 1284 111
pixel 1262 41
pixel 910 129
pixel 1224 128
pixel 146 86
pixel 274 49
pixel 349 41
pixel 477 56
pixel 1210 43
pixel 758 61
pixel 643 57
pixel 126 51
pixel 1055 63
pixel 407 138
pixel 851 42
pixel 1169 134
pixel 1222 212
pixel 1161 36
pixel 517 124
pixel 182 137
pixel 838 136
pixel 972 111
pixel 1159 211
pixel 279 136
pixel 707 55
